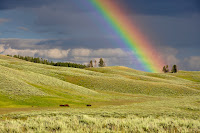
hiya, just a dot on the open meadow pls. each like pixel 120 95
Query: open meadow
pixel 122 99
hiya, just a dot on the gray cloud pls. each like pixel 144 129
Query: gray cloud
pixel 192 63
pixel 177 32
pixel 117 52
pixel 114 56
pixel 23 28
pixel 157 7
pixel 53 53
pixel 17 43
pixel 68 43
pixel 2 48
pixel 84 29
pixel 161 7
pixel 61 22
pixel 13 4
pixel 54 50
pixel 169 55
pixel 77 29
pixel 48 53
pixel 3 20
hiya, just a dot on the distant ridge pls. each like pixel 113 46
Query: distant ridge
pixel 27 84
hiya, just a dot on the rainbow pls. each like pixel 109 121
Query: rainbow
pixel 129 34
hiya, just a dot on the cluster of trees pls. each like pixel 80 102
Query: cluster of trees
pixel 101 63
pixel 68 64
pixel 44 61
pixel 62 64
pixel 173 70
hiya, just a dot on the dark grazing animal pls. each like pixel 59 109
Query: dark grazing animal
pixel 65 105
pixel 88 105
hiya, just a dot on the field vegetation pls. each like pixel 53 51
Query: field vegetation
pixel 122 99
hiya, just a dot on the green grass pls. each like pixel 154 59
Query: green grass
pixel 122 99
pixel 146 117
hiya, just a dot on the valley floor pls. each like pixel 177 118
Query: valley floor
pixel 157 115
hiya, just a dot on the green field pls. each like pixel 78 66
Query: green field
pixel 122 99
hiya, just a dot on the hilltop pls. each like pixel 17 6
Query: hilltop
pixel 27 84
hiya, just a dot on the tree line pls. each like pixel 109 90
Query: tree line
pixel 47 62
pixel 62 64
pixel 173 70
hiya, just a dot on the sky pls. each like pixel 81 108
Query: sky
pixel 70 30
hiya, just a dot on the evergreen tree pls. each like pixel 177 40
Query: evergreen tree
pixel 174 69
pixel 45 61
pixel 101 63
pixel 167 69
pixel 91 63
pixel 164 69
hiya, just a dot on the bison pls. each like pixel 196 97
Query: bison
pixel 88 105
pixel 65 105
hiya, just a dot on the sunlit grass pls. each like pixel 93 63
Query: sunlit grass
pixel 122 99
pixel 113 119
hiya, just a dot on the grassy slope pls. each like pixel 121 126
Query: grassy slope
pixel 147 102
pixel 25 84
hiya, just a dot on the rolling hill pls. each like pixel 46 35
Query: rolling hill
pixel 26 84
pixel 122 99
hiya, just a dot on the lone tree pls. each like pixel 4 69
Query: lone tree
pixel 95 63
pixel 91 64
pixel 164 69
pixel 167 68
pixel 101 63
pixel 174 69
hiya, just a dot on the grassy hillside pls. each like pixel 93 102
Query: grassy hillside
pixel 122 99
pixel 26 84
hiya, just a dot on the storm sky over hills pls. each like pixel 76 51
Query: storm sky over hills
pixel 67 30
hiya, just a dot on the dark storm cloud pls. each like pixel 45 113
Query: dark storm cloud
pixel 161 7
pixel 178 32
pixel 153 7
pixel 93 43
pixel 56 25
pixel 80 29
pixel 12 4
pixel 68 5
